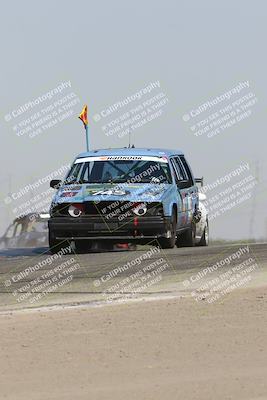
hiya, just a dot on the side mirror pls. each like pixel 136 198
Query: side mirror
pixel 55 183
pixel 200 180
pixel 183 184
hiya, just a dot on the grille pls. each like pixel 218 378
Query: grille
pixel 109 209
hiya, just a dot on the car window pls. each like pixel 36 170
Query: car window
pixel 177 172
pixel 37 226
pixel 10 231
pixel 183 176
pixel 188 171
pixel 74 173
pixel 180 168
pixel 18 229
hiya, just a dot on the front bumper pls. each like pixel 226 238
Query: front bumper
pixel 89 227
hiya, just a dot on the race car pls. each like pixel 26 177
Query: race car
pixel 202 227
pixel 29 230
pixel 128 195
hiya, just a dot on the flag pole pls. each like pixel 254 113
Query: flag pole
pixel 87 137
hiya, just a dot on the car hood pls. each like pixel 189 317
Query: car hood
pixel 112 192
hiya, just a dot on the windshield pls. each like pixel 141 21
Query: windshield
pixel 119 171
pixel 38 226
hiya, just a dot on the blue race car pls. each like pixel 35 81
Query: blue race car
pixel 126 195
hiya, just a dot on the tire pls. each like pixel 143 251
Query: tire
pixel 187 238
pixel 55 245
pixel 132 246
pixel 169 243
pixel 204 241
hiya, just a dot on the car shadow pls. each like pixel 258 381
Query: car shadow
pixel 24 252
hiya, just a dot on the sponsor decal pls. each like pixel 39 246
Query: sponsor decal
pixel 121 158
pixel 108 192
pixel 68 194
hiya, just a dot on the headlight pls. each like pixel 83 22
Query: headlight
pixel 75 210
pixel 140 209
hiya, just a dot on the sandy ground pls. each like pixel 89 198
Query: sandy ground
pixel 167 349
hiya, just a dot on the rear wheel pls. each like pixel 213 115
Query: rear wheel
pixel 169 243
pixel 204 241
pixel 187 238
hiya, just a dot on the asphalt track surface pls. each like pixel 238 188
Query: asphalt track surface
pixel 33 278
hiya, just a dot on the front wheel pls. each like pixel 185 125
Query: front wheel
pixel 169 243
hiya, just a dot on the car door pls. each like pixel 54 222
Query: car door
pixel 189 189
pixel 181 201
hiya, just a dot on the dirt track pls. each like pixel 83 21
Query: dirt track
pixel 25 274
pixel 175 348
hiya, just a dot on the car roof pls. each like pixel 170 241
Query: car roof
pixel 131 152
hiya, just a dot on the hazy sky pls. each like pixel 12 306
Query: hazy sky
pixel 109 50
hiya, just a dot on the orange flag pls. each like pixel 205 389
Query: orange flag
pixel 83 116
